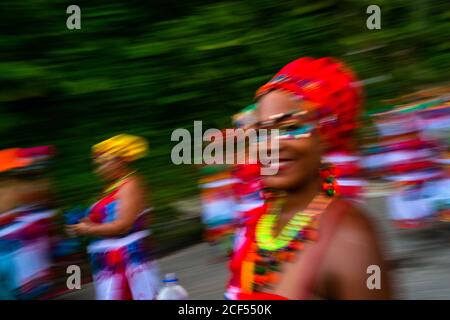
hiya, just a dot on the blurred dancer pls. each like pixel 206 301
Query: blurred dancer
pixel 308 243
pixel 218 207
pixel 248 193
pixel 9 161
pixel 8 202
pixel 121 258
pixel 25 222
pixel 407 158
pixel 348 173
pixel 248 185
pixel 435 126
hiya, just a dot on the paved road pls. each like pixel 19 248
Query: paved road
pixel 421 260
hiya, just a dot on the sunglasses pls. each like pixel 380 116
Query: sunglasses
pixel 292 125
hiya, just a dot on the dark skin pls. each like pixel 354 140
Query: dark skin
pixel 342 273
pixel 8 197
pixel 132 199
pixel 17 191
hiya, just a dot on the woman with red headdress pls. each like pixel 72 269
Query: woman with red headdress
pixel 308 243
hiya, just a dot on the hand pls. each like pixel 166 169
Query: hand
pixel 86 219
pixel 81 228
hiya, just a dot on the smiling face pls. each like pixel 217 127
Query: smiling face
pixel 299 153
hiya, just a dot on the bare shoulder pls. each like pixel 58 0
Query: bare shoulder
pixel 134 184
pixel 134 194
pixel 354 224
pixel 355 237
pixel 353 248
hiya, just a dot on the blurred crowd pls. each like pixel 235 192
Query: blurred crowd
pixel 27 223
pixel 407 151
pixel 409 148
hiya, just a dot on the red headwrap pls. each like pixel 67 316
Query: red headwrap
pixel 330 88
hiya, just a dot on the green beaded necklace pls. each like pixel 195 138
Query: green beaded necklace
pixel 264 229
pixel 118 183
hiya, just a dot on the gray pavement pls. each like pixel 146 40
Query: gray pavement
pixel 199 274
pixel 420 259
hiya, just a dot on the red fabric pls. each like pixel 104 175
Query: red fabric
pixel 115 259
pixel 249 177
pixel 247 172
pixel 411 166
pixel 413 144
pixel 410 224
pixel 348 191
pixel 259 296
pixel 7 219
pixel 239 255
pixel 42 151
pixel 347 169
pixel 126 292
pixel 97 212
pixel 213 234
pixel 445 215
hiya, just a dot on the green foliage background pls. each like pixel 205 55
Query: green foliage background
pixel 148 67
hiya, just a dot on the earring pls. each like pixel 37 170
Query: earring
pixel 328 175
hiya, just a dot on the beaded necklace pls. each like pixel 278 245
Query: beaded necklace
pixel 118 183
pixel 262 264
pixel 264 230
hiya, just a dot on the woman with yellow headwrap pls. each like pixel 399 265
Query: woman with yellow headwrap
pixel 122 265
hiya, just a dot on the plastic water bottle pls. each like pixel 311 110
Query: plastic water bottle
pixel 172 290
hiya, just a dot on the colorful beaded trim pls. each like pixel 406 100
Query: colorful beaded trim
pixel 264 230
pixel 260 268
pixel 118 183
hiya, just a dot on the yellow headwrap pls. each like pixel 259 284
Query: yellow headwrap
pixel 127 147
